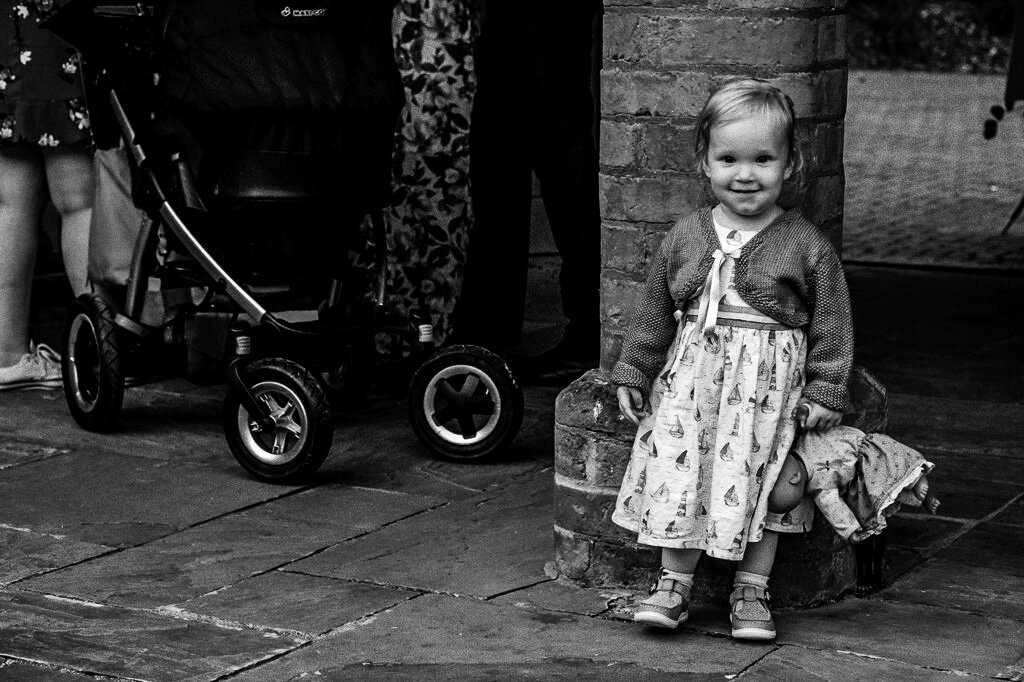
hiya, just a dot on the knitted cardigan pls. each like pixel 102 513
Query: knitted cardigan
pixel 788 271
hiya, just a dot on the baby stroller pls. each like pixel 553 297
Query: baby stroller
pixel 259 134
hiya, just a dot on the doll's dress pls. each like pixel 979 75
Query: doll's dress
pixel 720 427
pixel 871 472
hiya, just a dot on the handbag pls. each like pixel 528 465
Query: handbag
pixel 116 220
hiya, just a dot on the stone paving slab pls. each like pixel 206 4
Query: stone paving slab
pixel 399 466
pixel 438 629
pixel 18 451
pixel 290 601
pixel 560 595
pixel 950 335
pixel 381 452
pixel 970 587
pixel 181 566
pixel 119 500
pixel 26 553
pixel 979 572
pixel 104 640
pixel 913 538
pixel 1003 468
pixel 1013 514
pixel 479 546
pixel 329 512
pixel 30 672
pixel 946 424
pixel 920 635
pixel 793 663
pixel 211 556
pixel 560 670
pixel 164 419
pixel 921 532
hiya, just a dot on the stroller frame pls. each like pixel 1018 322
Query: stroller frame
pixel 464 401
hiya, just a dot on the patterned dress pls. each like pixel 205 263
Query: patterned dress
pixel 720 427
pixel 41 99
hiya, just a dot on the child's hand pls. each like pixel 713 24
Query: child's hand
pixel 860 535
pixel 813 417
pixel 632 403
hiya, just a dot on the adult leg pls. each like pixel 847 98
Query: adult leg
pixel 566 161
pixel 492 297
pixel 69 174
pixel 564 156
pixel 569 190
pixel 22 192
pixel 493 293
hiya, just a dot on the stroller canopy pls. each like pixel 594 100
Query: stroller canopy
pixel 314 78
pixel 319 56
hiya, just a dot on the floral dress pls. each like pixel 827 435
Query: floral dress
pixel 41 99
pixel 720 426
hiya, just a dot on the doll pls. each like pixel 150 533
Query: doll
pixel 858 480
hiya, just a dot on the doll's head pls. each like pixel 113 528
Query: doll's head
pixel 790 486
pixel 747 115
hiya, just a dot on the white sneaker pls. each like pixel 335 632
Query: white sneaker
pixel 39 368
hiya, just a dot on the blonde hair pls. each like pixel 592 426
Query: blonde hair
pixel 744 98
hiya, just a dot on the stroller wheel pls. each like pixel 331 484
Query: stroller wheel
pixel 465 404
pixel 91 364
pixel 303 428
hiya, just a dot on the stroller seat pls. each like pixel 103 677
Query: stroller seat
pixel 262 176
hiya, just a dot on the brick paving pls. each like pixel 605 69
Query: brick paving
pixel 923 187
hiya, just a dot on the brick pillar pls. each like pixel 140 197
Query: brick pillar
pixel 661 59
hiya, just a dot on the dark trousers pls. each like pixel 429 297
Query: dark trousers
pixel 533 112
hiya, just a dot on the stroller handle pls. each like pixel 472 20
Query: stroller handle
pixel 135 10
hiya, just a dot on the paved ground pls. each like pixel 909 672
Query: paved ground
pixel 149 555
pixel 923 187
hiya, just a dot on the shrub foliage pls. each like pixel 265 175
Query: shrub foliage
pixel 972 37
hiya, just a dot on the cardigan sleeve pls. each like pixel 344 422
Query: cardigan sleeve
pixel 829 335
pixel 651 329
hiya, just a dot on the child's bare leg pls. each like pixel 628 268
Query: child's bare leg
pixel 921 492
pixel 760 556
pixel 680 560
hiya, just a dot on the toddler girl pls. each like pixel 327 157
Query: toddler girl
pixel 744 316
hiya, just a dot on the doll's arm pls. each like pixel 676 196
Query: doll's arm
pixel 838 514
